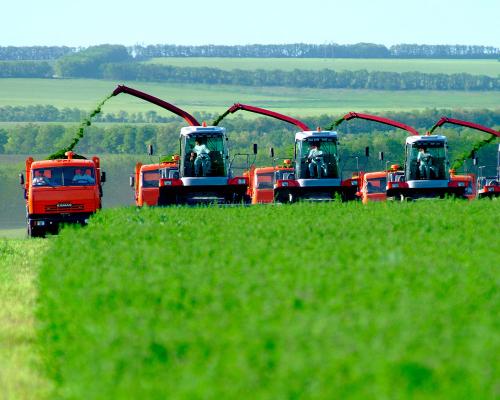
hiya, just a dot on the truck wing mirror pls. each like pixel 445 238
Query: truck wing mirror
pixel 367 151
pixel 150 150
pixel 131 181
pixel 381 155
pixel 271 152
pixel 21 179
pixel 255 148
pixel 103 176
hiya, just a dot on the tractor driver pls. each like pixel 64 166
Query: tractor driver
pixel 424 160
pixel 201 158
pixel 315 159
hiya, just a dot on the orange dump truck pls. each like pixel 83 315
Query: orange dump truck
pixel 146 181
pixel 264 181
pixel 373 186
pixel 468 181
pixel 61 191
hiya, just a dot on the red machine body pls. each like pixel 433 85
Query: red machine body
pixel 214 181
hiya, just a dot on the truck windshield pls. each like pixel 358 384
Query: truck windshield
pixel 205 156
pixel 317 158
pixel 265 180
pixel 150 179
pixel 376 185
pixel 63 176
pixel 426 161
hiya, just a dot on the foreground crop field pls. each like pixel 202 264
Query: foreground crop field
pixel 85 93
pixel 302 301
pixel 434 66
pixel 20 376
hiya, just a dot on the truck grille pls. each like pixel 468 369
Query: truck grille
pixel 63 207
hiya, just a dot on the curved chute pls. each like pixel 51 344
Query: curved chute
pixel 369 117
pixel 155 100
pixel 446 120
pixel 476 146
pixel 238 106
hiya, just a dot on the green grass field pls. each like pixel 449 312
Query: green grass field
pixel 85 94
pixel 435 66
pixel 20 367
pixel 302 301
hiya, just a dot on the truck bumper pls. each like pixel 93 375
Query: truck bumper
pixel 40 224
pixel 315 194
pixel 216 194
pixel 423 193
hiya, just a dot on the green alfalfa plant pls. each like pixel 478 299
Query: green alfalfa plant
pixel 469 154
pixel 81 131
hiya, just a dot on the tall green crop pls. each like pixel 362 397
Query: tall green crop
pixel 302 301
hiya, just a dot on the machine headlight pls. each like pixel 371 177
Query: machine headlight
pixel 395 185
pixel 491 189
pixel 40 223
pixel 284 183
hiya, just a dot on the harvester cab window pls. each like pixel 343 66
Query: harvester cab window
pixel 376 185
pixel 169 173
pixel 265 181
pixel 317 158
pixel 63 176
pixel 150 179
pixel 204 156
pixel 426 160
pixel 285 175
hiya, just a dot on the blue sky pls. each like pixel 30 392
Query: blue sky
pixel 74 23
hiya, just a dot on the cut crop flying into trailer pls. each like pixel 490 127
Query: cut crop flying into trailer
pixel 205 175
pixel 315 173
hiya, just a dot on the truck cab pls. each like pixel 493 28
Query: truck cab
pixel 373 186
pixel 264 181
pixel 61 191
pixel 146 181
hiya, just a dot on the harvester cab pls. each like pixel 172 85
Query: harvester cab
pixel 487 186
pixel 426 171
pixel 204 175
pixel 316 172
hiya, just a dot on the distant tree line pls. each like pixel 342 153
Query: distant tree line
pixel 321 79
pixel 331 50
pixel 25 69
pixel 296 50
pixel 14 53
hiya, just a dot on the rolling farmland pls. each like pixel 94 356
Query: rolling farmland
pixel 475 67
pixel 316 307
pixel 85 93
